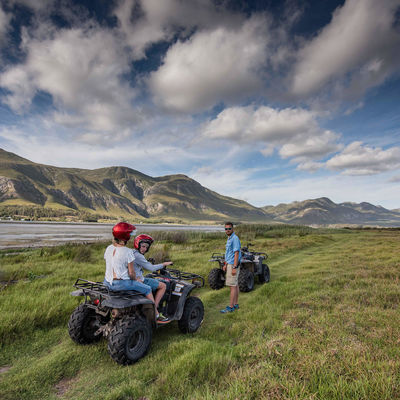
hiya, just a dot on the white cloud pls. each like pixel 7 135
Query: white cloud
pixel 145 22
pixel 242 183
pixel 294 130
pixel 82 69
pixel 358 159
pixel 310 166
pixel 338 188
pixel 358 49
pixel 316 145
pixel 219 65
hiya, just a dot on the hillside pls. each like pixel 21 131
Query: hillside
pixel 121 192
pixel 114 192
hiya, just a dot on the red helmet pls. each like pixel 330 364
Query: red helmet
pixel 123 231
pixel 142 238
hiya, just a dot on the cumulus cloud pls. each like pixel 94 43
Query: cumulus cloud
pixel 145 22
pixel 218 65
pixel 37 144
pixel 295 131
pixel 359 159
pixel 357 50
pixel 82 70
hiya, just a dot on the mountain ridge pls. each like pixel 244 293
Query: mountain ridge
pixel 121 192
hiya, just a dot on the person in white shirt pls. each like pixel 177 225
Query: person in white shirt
pixel 120 273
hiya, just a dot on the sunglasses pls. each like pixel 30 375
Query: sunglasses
pixel 228 229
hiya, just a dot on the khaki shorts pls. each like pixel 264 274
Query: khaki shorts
pixel 231 280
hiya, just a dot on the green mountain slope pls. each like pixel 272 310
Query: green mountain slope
pixel 116 191
pixel 121 192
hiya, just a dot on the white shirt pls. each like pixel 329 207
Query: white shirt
pixel 117 260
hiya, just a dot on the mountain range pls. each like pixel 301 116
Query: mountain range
pixel 121 192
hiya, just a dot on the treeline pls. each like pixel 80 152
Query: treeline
pixel 39 213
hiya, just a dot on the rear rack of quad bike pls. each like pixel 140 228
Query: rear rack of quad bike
pixel 217 257
pixel 197 280
pixel 101 290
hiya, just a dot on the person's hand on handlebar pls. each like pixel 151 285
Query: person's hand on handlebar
pixel 166 263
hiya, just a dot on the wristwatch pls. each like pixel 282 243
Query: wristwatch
pixel 235 267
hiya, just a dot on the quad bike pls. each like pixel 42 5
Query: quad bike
pixel 252 264
pixel 127 319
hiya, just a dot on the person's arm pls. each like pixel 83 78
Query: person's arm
pixel 141 260
pixel 235 263
pixel 131 271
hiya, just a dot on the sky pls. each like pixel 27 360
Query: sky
pixel 265 101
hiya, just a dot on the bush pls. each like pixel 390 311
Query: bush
pixel 76 252
pixel 160 253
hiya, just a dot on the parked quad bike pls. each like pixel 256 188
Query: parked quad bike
pixel 251 265
pixel 127 319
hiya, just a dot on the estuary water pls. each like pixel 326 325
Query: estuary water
pixel 16 234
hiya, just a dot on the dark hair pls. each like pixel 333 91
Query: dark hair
pixel 229 223
pixel 120 241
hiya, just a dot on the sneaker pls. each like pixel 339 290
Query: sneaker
pixel 228 309
pixel 161 319
pixel 236 306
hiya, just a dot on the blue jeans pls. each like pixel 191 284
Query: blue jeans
pixel 128 284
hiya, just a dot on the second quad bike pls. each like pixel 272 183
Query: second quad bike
pixel 252 264
pixel 127 319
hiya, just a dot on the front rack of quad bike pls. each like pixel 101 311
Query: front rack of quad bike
pixel 197 280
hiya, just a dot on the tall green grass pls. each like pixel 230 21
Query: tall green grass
pixel 327 326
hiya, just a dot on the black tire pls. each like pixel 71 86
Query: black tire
pixel 216 279
pixel 265 276
pixel 192 316
pixel 129 340
pixel 82 325
pixel 246 280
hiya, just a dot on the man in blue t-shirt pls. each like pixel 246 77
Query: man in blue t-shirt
pixel 232 267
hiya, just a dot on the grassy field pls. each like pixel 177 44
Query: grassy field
pixel 327 326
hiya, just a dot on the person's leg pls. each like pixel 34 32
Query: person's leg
pixel 232 297
pixel 230 281
pixel 160 292
pixel 158 286
pixel 236 296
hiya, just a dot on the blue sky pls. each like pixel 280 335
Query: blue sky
pixel 266 101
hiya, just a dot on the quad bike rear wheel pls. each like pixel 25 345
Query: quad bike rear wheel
pixel 129 340
pixel 192 316
pixel 246 280
pixel 216 278
pixel 265 276
pixel 83 324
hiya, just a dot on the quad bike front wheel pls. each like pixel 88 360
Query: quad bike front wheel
pixel 246 280
pixel 83 324
pixel 192 316
pixel 216 278
pixel 265 275
pixel 129 340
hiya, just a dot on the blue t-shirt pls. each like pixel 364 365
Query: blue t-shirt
pixel 232 245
